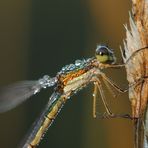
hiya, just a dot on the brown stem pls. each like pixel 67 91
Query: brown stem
pixel 137 67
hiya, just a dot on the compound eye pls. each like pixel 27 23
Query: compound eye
pixel 102 50
pixel 104 54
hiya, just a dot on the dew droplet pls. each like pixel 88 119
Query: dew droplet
pixel 78 62
pixel 71 67
pixel 93 95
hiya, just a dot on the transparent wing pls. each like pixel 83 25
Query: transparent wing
pixel 16 93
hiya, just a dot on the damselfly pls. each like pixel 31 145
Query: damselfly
pixel 71 79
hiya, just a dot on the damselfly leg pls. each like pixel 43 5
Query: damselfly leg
pixel 94 99
pixel 97 85
pixel 108 113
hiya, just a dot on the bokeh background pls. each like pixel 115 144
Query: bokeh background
pixel 38 37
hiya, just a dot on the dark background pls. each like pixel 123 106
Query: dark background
pixel 39 37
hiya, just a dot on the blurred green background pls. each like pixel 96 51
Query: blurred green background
pixel 39 37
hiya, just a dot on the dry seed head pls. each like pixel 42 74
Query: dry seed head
pixel 136 68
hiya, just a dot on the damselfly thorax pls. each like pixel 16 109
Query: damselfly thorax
pixel 78 78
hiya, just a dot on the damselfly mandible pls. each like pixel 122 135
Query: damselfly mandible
pixel 67 82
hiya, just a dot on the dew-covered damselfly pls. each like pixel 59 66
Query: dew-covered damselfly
pixel 67 82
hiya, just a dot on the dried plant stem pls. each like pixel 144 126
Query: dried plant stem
pixel 137 68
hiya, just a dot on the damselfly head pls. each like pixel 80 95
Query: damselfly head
pixel 105 55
